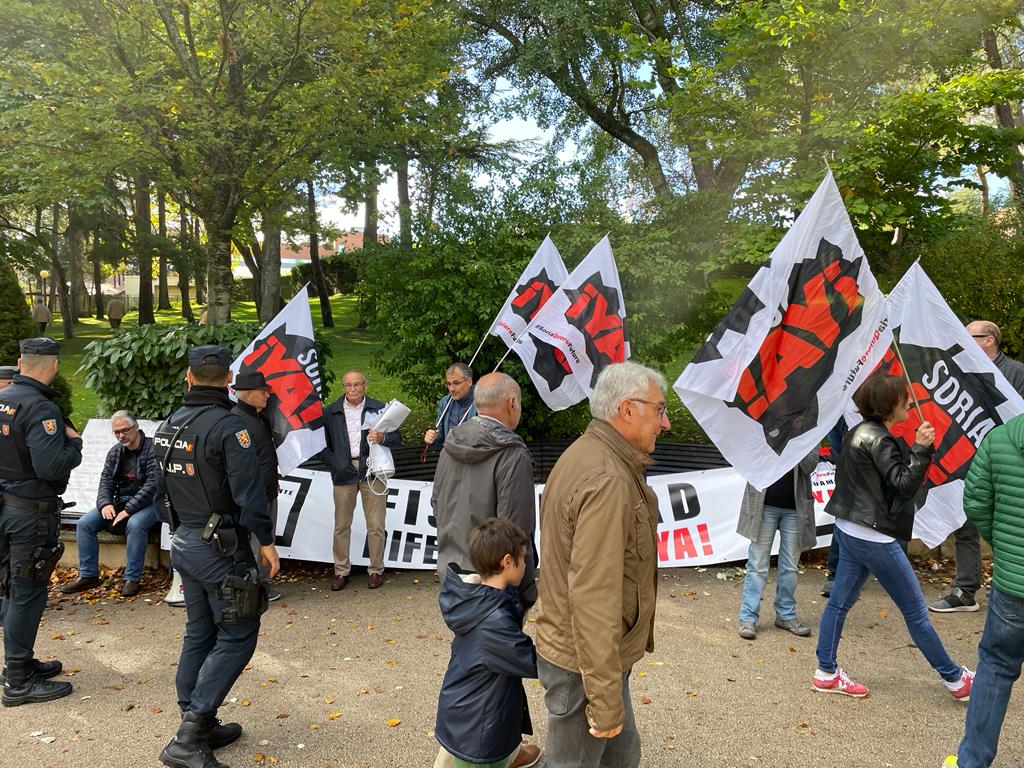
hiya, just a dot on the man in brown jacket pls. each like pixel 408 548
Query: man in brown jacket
pixel 599 563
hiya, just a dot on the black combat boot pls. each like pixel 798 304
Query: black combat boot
pixel 24 686
pixel 189 748
pixel 43 669
pixel 221 734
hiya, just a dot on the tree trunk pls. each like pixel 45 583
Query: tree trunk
pixel 143 214
pixel 985 195
pixel 1004 117
pixel 218 273
pixel 199 271
pixel 60 278
pixel 270 262
pixel 370 228
pixel 404 204
pixel 164 299
pixel 314 257
pixel 97 274
pixel 74 237
pixel 251 255
pixel 184 267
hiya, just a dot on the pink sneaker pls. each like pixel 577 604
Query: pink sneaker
pixel 840 683
pixel 961 689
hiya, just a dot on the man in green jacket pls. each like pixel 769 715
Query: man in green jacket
pixel 994 502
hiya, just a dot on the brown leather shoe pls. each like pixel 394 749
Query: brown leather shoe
pixel 130 589
pixel 529 755
pixel 375 581
pixel 338 583
pixel 81 584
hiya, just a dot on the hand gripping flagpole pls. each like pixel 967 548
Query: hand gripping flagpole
pixel 906 375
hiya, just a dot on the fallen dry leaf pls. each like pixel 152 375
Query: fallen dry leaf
pixel 128 707
pixel 334 715
pixel 792 649
pixel 281 715
pixel 328 699
pixel 883 614
pixel 245 702
pixel 155 710
pixel 393 722
pixel 258 757
pixel 645 700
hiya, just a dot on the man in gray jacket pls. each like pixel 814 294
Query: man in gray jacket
pixel 485 471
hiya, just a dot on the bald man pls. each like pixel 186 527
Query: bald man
pixel 485 471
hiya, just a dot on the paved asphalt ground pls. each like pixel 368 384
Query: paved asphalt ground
pixel 334 674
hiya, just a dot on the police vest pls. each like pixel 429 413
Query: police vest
pixel 196 488
pixel 15 459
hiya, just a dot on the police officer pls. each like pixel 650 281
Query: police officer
pixel 7 374
pixel 37 453
pixel 214 499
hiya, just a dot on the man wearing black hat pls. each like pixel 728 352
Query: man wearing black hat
pixel 215 500
pixel 253 394
pixel 7 374
pixel 37 453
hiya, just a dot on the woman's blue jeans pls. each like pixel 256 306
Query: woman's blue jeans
pixel 999 661
pixel 759 557
pixel 889 564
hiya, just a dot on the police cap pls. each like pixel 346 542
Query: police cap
pixel 8 372
pixel 40 346
pixel 250 380
pixel 209 354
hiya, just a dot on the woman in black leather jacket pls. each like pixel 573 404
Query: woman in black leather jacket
pixel 877 479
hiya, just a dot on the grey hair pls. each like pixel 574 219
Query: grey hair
pixel 618 382
pixel 493 390
pixel 124 416
pixel 463 370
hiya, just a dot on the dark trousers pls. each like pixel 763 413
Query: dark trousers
pixel 967 545
pixel 569 743
pixel 24 605
pixel 212 655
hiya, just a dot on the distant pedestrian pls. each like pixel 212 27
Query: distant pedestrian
pixel 873 504
pixel 41 314
pixel 454 408
pixel 115 312
pixel 482 710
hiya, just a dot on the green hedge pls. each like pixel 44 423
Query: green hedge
pixel 341 272
pixel 142 368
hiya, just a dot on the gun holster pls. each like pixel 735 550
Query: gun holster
pixel 40 566
pixel 243 596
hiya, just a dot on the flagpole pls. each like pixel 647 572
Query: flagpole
pixel 906 375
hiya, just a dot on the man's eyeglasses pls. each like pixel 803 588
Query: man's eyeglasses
pixel 125 431
pixel 662 407
pixel 980 335
pixel 457 383
pixel 357 385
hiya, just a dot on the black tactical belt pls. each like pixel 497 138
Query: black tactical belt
pixel 33 505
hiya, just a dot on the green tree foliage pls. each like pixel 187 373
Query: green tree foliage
pixel 143 366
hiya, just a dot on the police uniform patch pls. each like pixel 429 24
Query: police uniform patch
pixel 6 429
pixel 190 469
pixel 243 438
pixel 50 426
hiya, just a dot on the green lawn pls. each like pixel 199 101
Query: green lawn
pixel 353 347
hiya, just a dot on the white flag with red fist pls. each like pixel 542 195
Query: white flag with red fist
pixel 541 279
pixel 579 331
pixel 960 391
pixel 775 375
pixel 286 356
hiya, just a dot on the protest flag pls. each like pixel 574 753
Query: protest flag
pixel 960 390
pixel 284 353
pixel 579 331
pixel 776 373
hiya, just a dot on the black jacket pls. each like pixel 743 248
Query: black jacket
pixel 877 478
pixel 263 441
pixel 482 710
pixel 50 452
pixel 144 488
pixel 337 455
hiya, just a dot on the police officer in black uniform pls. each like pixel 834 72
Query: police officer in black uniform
pixel 37 453
pixel 214 499
pixel 7 374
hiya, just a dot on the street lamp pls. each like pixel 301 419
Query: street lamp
pixel 43 274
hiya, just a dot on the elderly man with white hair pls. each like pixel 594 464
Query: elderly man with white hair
pixel 598 522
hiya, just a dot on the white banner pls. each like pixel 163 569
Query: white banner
pixel 774 376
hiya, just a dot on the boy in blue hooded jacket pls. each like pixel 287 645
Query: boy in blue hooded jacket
pixel 482 710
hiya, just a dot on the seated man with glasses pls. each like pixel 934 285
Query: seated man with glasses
pixel 124 506
pixel 455 407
